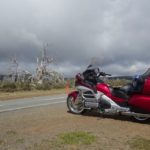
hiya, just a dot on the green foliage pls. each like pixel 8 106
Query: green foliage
pixel 15 86
pixel 27 86
pixel 118 82
pixel 70 141
pixel 59 85
pixel 77 138
pixel 8 86
pixel 44 86
pixel 140 144
pixel 48 85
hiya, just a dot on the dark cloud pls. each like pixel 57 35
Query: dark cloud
pixel 116 33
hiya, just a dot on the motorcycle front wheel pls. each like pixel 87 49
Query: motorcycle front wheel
pixel 75 106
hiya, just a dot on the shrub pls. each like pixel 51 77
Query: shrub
pixel 118 82
pixel 59 85
pixel 44 86
pixel 8 86
pixel 26 86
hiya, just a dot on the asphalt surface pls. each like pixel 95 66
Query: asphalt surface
pixel 12 105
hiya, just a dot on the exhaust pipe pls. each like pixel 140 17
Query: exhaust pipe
pixel 135 114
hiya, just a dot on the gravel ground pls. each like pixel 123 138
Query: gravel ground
pixel 32 129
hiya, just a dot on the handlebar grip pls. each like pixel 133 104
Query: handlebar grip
pixel 108 74
pixel 104 74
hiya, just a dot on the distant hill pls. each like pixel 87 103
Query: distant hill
pixel 112 77
pixel 121 77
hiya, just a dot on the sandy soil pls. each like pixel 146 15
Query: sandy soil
pixel 28 129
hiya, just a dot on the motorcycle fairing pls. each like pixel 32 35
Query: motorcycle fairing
pixel 140 102
pixel 146 87
pixel 99 98
pixel 74 94
pixel 118 96
pixel 85 94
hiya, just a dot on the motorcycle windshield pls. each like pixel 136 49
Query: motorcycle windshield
pixel 147 73
pixel 92 67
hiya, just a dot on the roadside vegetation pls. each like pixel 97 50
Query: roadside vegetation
pixel 48 85
pixel 13 90
pixel 118 82
pixel 6 86
pixel 27 86
pixel 16 90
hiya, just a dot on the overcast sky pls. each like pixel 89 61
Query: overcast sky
pixel 114 32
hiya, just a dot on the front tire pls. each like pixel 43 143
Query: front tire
pixel 75 106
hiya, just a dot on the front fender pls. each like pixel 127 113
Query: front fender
pixel 73 94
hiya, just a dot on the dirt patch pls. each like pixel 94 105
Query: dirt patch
pixel 37 129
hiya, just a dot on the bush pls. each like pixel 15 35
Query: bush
pixel 118 82
pixel 15 86
pixel 44 86
pixel 26 86
pixel 8 86
pixel 59 85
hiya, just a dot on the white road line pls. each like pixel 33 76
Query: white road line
pixel 13 109
pixel 50 99
pixel 36 100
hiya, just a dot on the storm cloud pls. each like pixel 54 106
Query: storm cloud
pixel 115 33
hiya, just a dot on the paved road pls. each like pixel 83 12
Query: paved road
pixel 12 105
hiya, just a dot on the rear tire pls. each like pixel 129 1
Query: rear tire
pixel 141 119
pixel 75 106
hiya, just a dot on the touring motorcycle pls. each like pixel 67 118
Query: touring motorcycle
pixel 130 100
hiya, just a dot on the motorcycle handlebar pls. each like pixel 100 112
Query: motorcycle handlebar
pixel 108 74
pixel 104 74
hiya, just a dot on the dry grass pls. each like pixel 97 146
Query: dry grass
pixel 40 129
pixel 140 143
pixel 26 94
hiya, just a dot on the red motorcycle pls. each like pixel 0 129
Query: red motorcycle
pixel 92 93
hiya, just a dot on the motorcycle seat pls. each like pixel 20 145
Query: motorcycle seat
pixel 119 93
pixel 128 89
